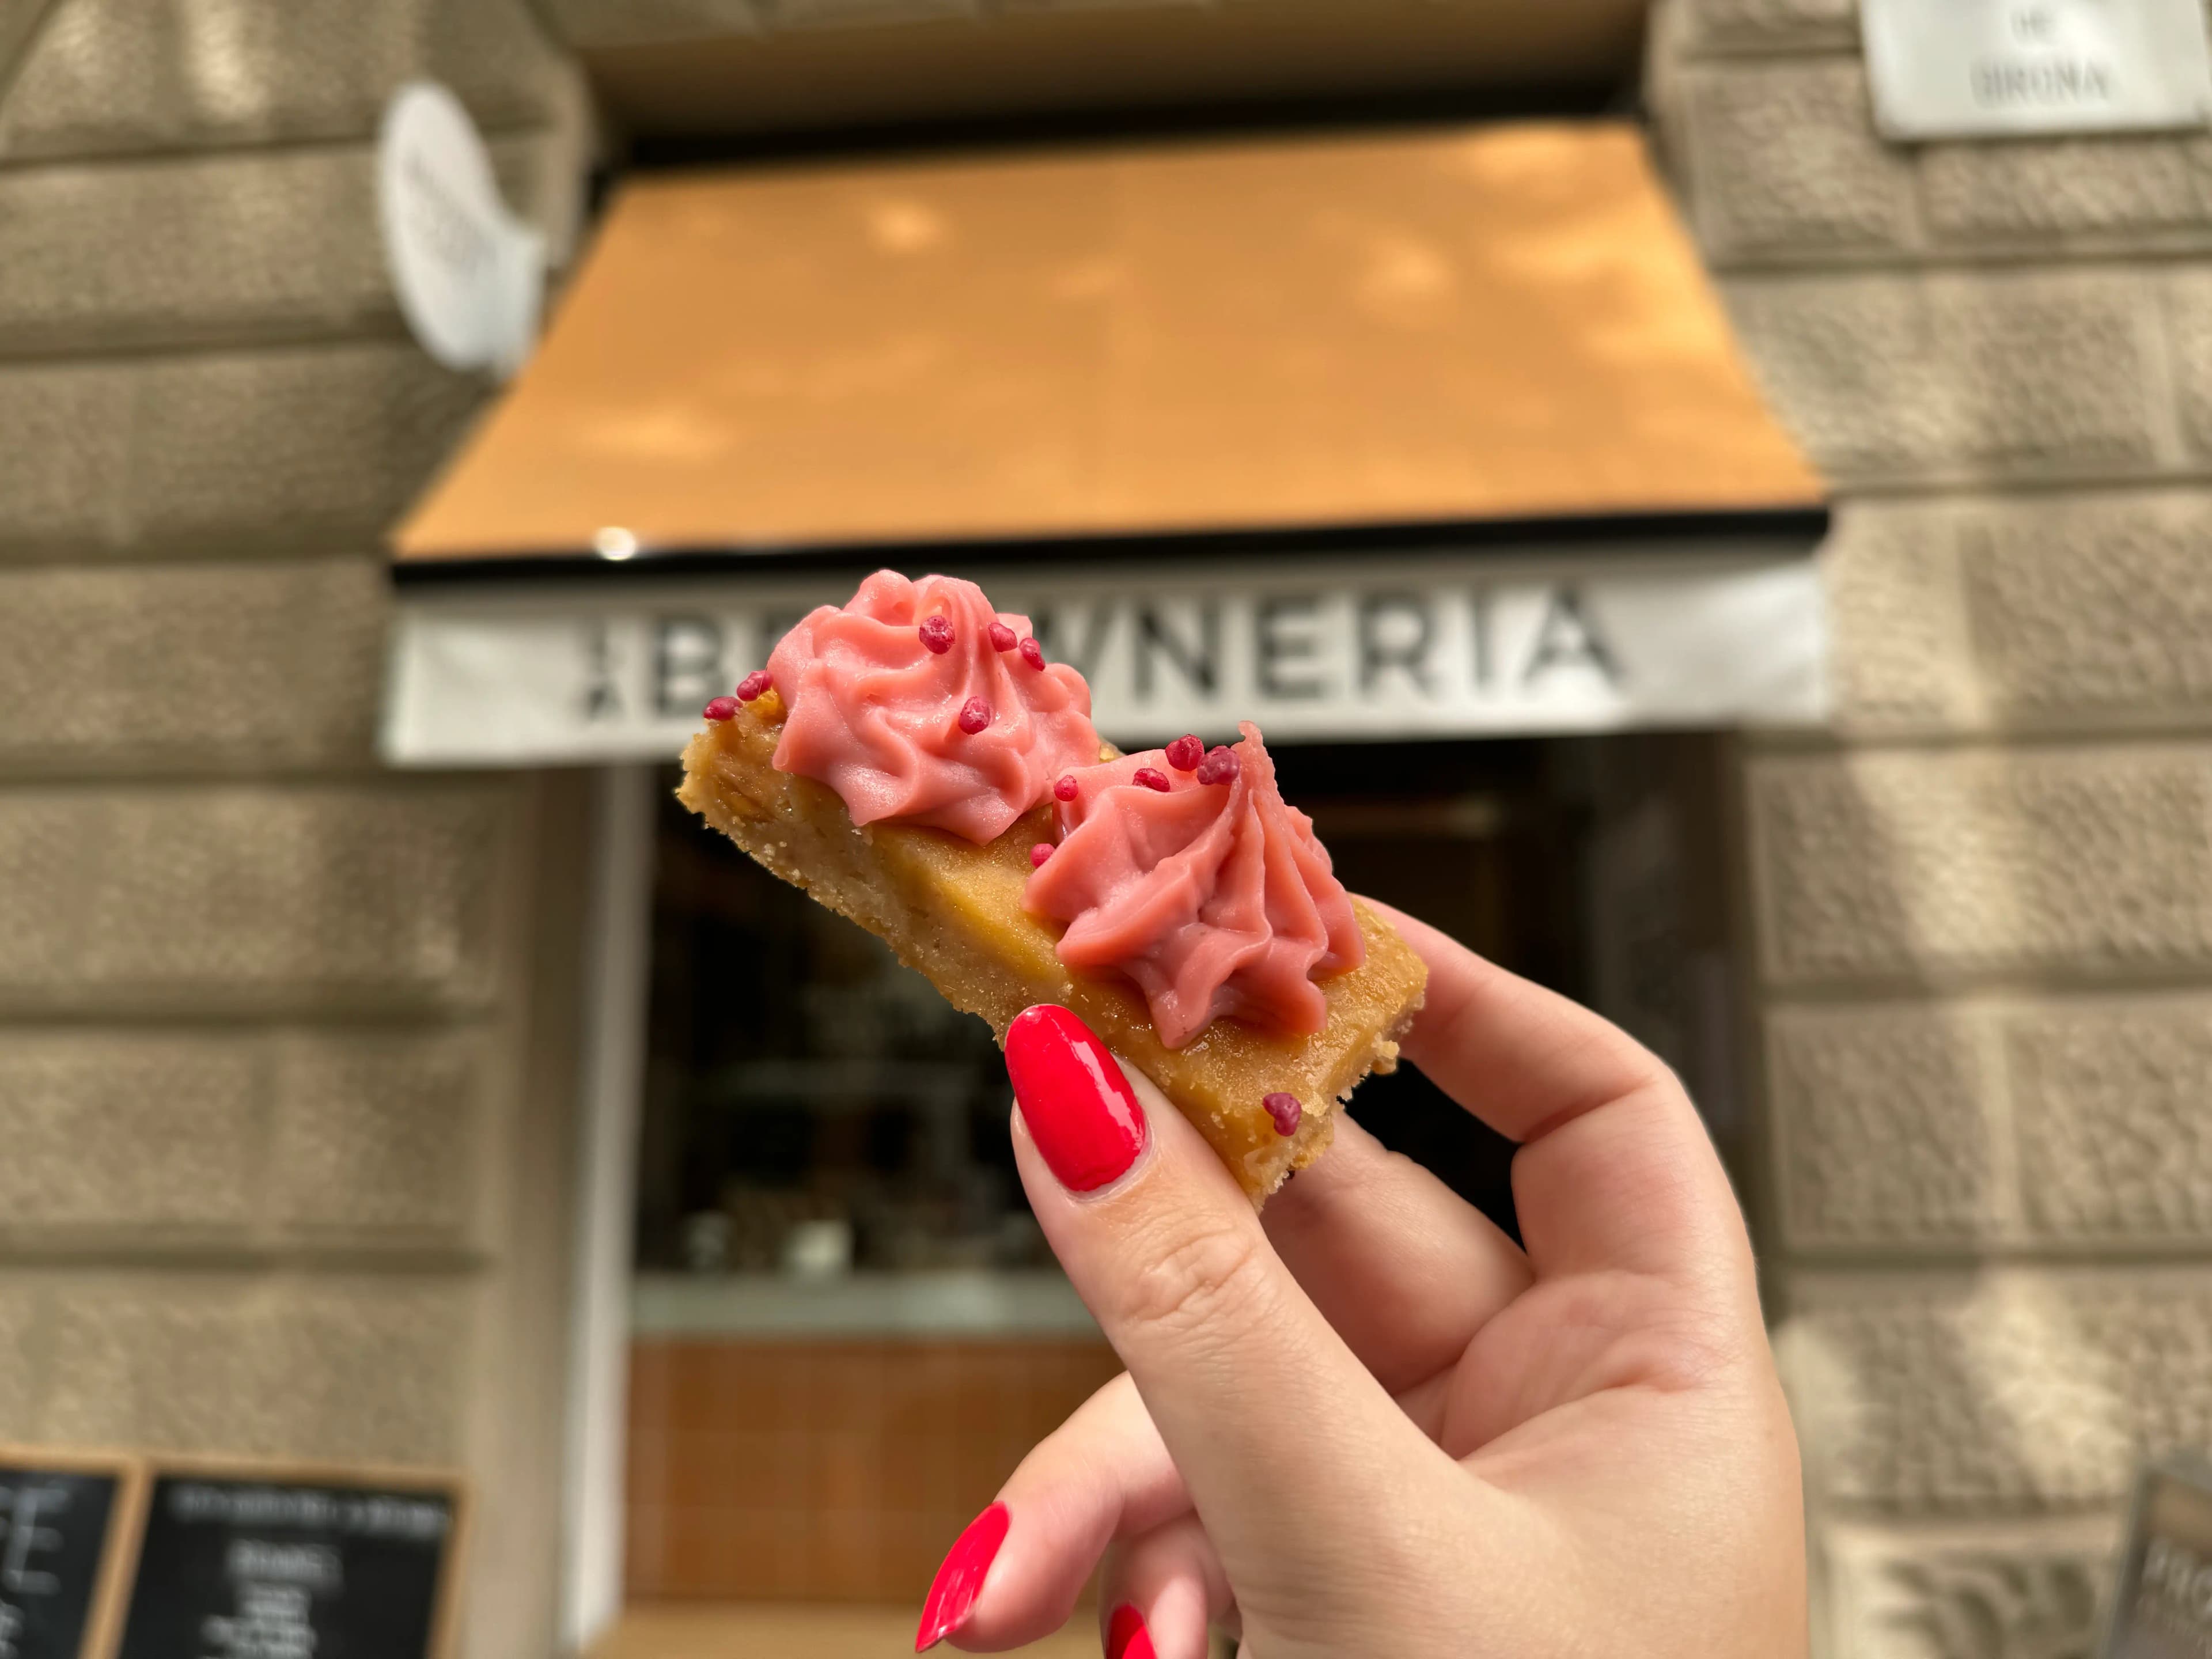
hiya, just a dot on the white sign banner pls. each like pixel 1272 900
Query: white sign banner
pixel 1967 69
pixel 1329 650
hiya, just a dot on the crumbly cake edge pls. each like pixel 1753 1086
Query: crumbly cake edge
pixel 1318 1130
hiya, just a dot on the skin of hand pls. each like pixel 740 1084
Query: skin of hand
pixel 1369 1422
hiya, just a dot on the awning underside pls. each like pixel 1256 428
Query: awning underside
pixel 1429 327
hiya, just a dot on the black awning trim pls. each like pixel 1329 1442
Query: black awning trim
pixel 1655 532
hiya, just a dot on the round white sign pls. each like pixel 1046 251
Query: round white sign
pixel 469 274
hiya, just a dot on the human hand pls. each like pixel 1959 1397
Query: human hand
pixel 1367 1423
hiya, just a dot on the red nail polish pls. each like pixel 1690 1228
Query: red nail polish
pixel 1126 1635
pixel 1080 1110
pixel 959 1580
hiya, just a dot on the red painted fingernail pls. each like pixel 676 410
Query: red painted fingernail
pixel 1080 1110
pixel 959 1580
pixel 1126 1635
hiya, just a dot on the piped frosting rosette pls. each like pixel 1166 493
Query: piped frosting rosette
pixel 1191 874
pixel 919 702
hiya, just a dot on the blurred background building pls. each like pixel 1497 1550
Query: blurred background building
pixel 306 1061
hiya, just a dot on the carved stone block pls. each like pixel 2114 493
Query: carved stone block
pixel 2032 1590
pixel 1885 1123
pixel 21 1311
pixel 64 452
pixel 2154 190
pixel 1784 161
pixel 192 665
pixel 2111 1103
pixel 378 1135
pixel 146 1134
pixel 2189 326
pixel 1887 375
pixel 265 245
pixel 1958 862
pixel 322 1366
pixel 241 1141
pixel 136 76
pixel 2092 604
pixel 1900 658
pixel 301 449
pixel 271 897
pixel 2013 1390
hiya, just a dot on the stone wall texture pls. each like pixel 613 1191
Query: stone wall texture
pixel 267 1017
pixel 1983 897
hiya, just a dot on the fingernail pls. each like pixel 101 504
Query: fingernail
pixel 959 1580
pixel 1126 1635
pixel 1081 1111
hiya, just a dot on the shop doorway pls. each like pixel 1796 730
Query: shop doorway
pixel 846 1328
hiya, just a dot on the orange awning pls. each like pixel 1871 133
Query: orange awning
pixel 1402 328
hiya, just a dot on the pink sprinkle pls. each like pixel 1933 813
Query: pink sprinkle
pixel 723 708
pixel 1032 654
pixel 975 715
pixel 1002 637
pixel 937 633
pixel 1185 753
pixel 1151 777
pixel 1219 766
pixel 753 684
pixel 1039 854
pixel 1064 789
pixel 1286 1112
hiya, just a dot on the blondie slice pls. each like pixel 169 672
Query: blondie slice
pixel 953 908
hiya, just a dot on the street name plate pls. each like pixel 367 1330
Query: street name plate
pixel 1989 69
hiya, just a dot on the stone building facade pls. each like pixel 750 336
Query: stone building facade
pixel 1982 901
pixel 286 1080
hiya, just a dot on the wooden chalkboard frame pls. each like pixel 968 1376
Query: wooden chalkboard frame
pixel 452 1484
pixel 118 1555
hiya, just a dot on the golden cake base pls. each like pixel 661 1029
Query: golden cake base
pixel 953 910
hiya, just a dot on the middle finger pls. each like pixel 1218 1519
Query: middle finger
pixel 1405 1269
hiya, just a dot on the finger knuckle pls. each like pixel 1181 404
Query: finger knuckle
pixel 1194 1277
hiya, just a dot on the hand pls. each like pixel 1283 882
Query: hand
pixel 1371 1424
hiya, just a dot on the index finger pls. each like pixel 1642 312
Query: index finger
pixel 1615 1168
pixel 1281 1436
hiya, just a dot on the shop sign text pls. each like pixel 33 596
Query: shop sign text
pixel 1417 649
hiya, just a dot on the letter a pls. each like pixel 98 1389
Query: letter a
pixel 1566 635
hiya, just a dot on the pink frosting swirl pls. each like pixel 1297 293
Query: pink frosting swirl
pixel 1216 898
pixel 966 737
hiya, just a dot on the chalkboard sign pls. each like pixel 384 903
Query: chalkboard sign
pixel 66 1525
pixel 243 1562
pixel 2163 1607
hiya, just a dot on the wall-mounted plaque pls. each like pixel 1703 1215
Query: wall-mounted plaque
pixel 67 1524
pixel 469 274
pixel 1987 69
pixel 243 1561
pixel 2162 1608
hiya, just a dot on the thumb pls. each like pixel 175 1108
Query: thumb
pixel 1288 1446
